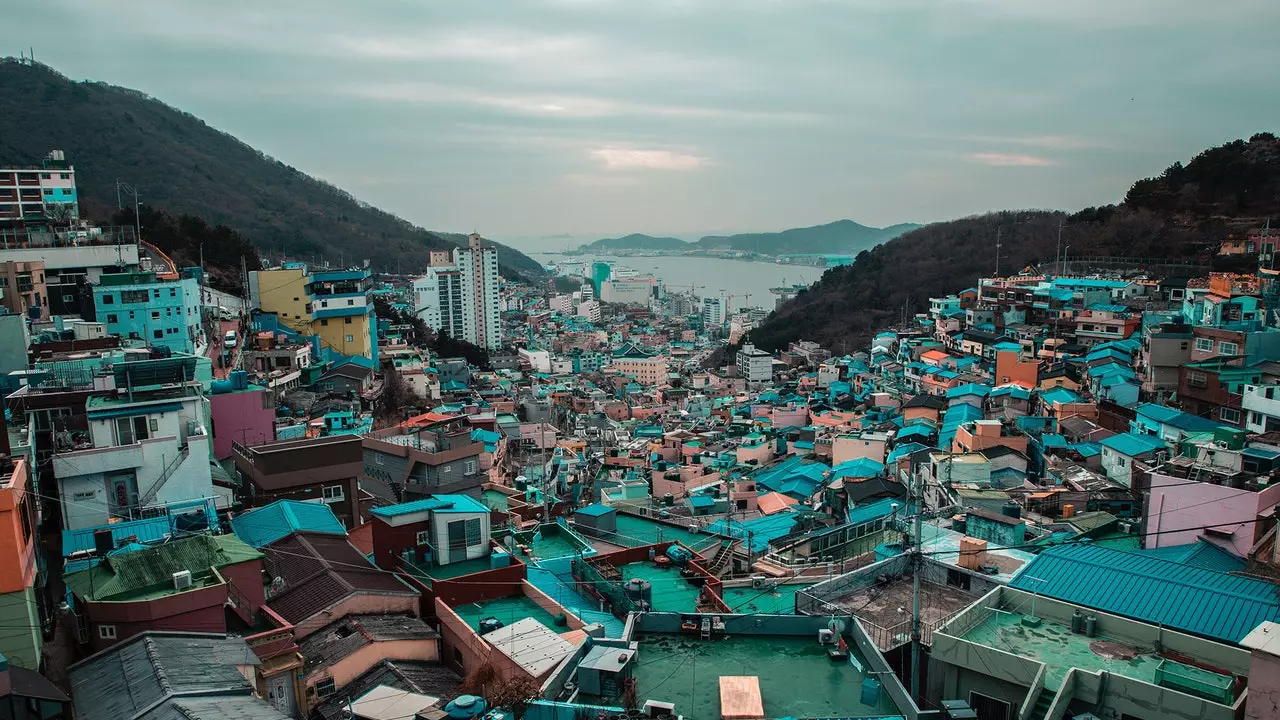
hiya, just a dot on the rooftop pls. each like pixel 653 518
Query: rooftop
pixel 796 677
pixel 339 639
pixel 671 593
pixel 507 609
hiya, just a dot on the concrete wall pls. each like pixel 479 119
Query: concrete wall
pixel 20 637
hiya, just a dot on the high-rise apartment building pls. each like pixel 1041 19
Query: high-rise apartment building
pixel 462 299
pixel 712 312
pixel 47 192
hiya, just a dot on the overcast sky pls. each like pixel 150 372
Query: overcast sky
pixel 532 117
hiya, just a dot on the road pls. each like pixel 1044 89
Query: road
pixel 215 348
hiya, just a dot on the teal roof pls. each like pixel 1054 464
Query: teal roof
pixel 1150 589
pixel 436 503
pixel 267 524
pixel 1176 418
pixel 873 511
pixel 595 510
pixel 1201 554
pixel 1133 444
pixel 857 468
pixel 1059 395
pixel 761 529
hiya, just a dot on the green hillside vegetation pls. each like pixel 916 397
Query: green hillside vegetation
pixel 185 167
pixel 842 237
pixel 636 241
pixel 1184 213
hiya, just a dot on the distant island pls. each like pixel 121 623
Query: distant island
pixel 821 242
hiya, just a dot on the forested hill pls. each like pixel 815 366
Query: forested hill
pixel 835 238
pixel 185 167
pixel 636 241
pixel 1184 213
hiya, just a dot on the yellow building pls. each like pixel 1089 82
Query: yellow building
pixel 333 307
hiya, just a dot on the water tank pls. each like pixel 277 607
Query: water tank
pixel 678 554
pixel 1011 509
pixel 465 707
pixel 522 483
pixel 1077 622
pixel 1091 626
pixel 668 500
pixel 638 590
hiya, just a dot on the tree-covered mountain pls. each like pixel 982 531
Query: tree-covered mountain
pixel 184 167
pixel 1184 213
pixel 636 241
pixel 836 238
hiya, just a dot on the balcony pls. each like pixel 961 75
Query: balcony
pixel 99 460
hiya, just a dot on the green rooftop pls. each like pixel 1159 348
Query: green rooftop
pixel 633 531
pixel 779 600
pixel 508 610
pixel 671 593
pixel 147 573
pixel 1060 649
pixel 796 677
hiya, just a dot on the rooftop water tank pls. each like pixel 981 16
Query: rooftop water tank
pixel 465 707
pixel 638 590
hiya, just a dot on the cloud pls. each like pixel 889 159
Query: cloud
pixel 630 159
pixel 1048 142
pixel 1009 160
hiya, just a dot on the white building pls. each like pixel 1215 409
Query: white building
pixel 437 299
pixel 712 312
pixel 590 310
pixel 39 193
pixel 1261 408
pixel 562 304
pixel 634 291
pixel 754 365
pixel 478 267
pixel 147 448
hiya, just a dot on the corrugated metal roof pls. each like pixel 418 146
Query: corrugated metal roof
pixel 1201 554
pixel 1191 599
pixel 269 523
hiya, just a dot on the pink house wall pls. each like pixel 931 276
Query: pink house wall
pixel 359 604
pixel 240 417
pixel 352 666
pixel 761 453
pixel 1178 508
pixel 1264 686
pixel 797 417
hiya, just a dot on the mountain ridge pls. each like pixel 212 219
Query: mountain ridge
pixel 833 238
pixel 184 166
pixel 1182 215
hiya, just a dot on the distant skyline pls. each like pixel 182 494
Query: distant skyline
pixel 595 118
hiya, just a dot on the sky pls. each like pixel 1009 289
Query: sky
pixel 533 118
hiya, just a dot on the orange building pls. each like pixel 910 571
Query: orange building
pixel 1011 368
pixel 20 602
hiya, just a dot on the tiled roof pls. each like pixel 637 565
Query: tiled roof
pixel 340 639
pixel 265 525
pixel 320 570
pixel 419 677
pixel 1150 589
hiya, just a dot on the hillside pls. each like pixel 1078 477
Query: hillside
pixel 837 238
pixel 1184 213
pixel 184 167
pixel 635 241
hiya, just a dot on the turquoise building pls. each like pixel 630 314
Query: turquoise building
pixel 140 306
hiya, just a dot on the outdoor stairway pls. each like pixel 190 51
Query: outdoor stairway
pixel 718 562
pixel 570 599
pixel 1042 705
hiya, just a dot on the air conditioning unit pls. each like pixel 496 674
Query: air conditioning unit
pixel 826 637
pixel 1126 528
pixel 758 581
pixel 653 709
pixel 693 528
pixel 182 580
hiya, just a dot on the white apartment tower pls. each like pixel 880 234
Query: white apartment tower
pixel 478 266
pixel 712 312
pixel 437 299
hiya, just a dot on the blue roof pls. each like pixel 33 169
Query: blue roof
pixel 702 501
pixel 970 389
pixel 1059 395
pixel 872 511
pixel 1154 590
pixel 147 530
pixel 595 510
pixel 793 467
pixel 1087 449
pixel 1133 444
pixel 905 449
pixel 267 524
pixel 1015 391
pixel 435 503
pixel 761 529
pixel 857 468
pixel 1176 418
pixel 1201 554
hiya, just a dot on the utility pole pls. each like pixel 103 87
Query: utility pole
pixel 998 231
pixel 917 560
pixel 1058 253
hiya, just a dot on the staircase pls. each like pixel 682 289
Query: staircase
pixel 1041 709
pixel 168 472
pixel 718 562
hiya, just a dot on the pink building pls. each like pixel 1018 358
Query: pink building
pixel 241 413
pixel 1180 510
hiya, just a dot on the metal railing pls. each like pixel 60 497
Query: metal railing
pixel 167 473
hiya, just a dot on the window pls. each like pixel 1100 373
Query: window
pixel 159 334
pixel 326 687
pixel 108 299
pixel 324 323
pixel 473 532
pixel 332 494
pixel 1228 348
pixel 470 467
pixel 346 321
pixel 378 459
pixel 107 632
pixel 113 318
pixel 131 430
pixel 133 296
pixel 351 338
pixel 987 707
pixel 423 537
pixel 1230 415
pixel 155 314
pixel 1204 345
pixel 1197 379
pixel 173 292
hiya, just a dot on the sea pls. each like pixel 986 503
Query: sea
pixel 748 281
